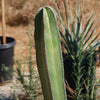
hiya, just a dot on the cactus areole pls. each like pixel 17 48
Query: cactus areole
pixel 48 54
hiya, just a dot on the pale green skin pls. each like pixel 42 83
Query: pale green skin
pixel 48 54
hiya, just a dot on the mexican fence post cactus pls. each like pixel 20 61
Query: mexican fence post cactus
pixel 48 54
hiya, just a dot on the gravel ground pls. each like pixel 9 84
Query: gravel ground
pixel 8 90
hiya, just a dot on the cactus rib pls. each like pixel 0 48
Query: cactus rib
pixel 48 53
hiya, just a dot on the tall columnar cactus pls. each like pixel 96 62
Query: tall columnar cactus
pixel 48 54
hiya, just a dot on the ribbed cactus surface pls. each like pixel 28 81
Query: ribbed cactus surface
pixel 48 54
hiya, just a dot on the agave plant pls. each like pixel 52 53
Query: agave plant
pixel 74 32
pixel 77 40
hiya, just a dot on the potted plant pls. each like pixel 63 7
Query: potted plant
pixel 6 51
pixel 76 39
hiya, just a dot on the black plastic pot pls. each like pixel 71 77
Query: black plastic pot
pixel 6 59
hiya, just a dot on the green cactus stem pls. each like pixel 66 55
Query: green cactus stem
pixel 48 54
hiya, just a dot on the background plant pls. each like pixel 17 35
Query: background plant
pixel 29 81
pixel 85 88
pixel 72 30
pixel 77 40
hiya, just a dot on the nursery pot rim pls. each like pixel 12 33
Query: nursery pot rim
pixel 8 44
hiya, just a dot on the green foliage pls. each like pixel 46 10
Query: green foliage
pixel 84 78
pixel 78 70
pixel 90 85
pixel 48 53
pixel 30 82
pixel 8 71
pixel 80 43
pixel 74 31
